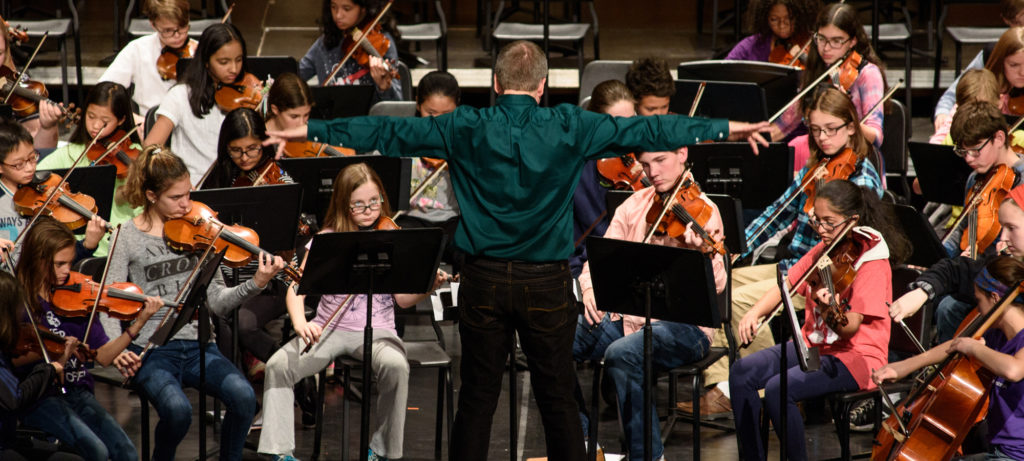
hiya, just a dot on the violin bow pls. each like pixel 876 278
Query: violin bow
pixel 806 90
pixel 696 99
pixel 818 173
pixel 327 330
pixel 53 193
pixel 113 146
pixel 103 282
pixel 7 260
pixel 888 94
pixel 668 204
pixel 359 41
pixel 205 175
pixel 823 259
pixel 422 187
pixel 227 14
pixel 39 337
pixel 802 51
pixel 24 68
pixel 266 170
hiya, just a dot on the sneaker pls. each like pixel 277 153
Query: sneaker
pixel 371 456
pixel 862 417
pixel 713 405
pixel 285 458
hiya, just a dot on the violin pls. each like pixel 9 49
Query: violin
pixel 72 209
pixel 308 149
pixel 1015 103
pixel 121 154
pixel 24 97
pixel 786 53
pixel 246 93
pixel 385 223
pixel 686 206
pixel 847 74
pixel 75 298
pixel 54 343
pixel 981 209
pixel 167 63
pixel 839 166
pixel 439 166
pixel 432 163
pixel 15 34
pixel 365 40
pixel 199 229
pixel 269 174
pixel 624 173
pixel 836 273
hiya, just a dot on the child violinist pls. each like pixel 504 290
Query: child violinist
pixel 832 121
pixel 189 116
pixel 136 63
pixel 338 21
pixel 998 351
pixel 74 417
pixel 849 350
pixel 652 85
pixel 159 182
pixel 357 203
pixel 108 116
pixel 839 35
pixel 973 85
pixel 19 394
pixel 782 28
pixel 41 125
pixel 241 157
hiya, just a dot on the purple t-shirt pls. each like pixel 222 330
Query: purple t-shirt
pixel 1005 412
pixel 755 47
pixel 75 373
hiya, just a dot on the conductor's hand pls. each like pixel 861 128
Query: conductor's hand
pixel 750 132
pixel 279 138
pixel 127 363
pixel 748 328
pixel 310 332
pixel 270 265
pixel 907 305
pixel 590 312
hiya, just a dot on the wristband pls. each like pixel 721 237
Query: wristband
pixel 130 335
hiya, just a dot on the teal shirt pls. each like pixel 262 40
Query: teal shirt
pixel 514 166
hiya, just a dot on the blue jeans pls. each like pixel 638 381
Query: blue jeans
pixel 77 419
pixel 949 314
pixel 590 343
pixel 672 345
pixel 167 368
pixel 760 370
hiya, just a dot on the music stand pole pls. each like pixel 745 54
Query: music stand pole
pixel 783 390
pixel 648 372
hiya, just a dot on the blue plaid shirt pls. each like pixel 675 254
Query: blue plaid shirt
pixel 804 237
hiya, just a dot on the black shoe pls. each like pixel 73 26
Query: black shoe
pixel 862 417
pixel 307 398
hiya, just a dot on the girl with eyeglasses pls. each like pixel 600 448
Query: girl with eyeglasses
pixel 849 350
pixel 357 203
pixel 136 62
pixel 778 24
pixel 838 33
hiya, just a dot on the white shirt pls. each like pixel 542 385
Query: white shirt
pixel 193 139
pixel 136 63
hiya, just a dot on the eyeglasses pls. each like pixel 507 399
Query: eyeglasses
pixel 775 21
pixel 251 151
pixel 970 151
pixel 24 163
pixel 360 207
pixel 815 223
pixel 168 33
pixel 826 42
pixel 829 131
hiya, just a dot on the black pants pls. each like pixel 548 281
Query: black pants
pixel 498 298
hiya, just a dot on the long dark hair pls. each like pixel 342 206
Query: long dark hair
pixel 844 17
pixel 114 97
pixel 201 86
pixel 288 92
pixel 239 123
pixel 849 199
pixel 35 265
pixel 12 297
pixel 332 34
pixel 438 82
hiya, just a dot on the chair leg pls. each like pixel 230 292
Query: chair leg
pixel 63 45
pixel 595 408
pixel 959 58
pixel 698 383
pixel 439 413
pixel 346 382
pixel 145 427
pixel 318 433
pixel 908 87
pixel 513 426
pixel 841 417
pixel 450 390
pixel 670 420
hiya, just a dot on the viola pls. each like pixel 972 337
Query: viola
pixel 24 97
pixel 685 206
pixel 848 72
pixel 305 149
pixel 269 174
pixel 836 273
pixel 167 63
pixel 54 343
pixel 839 166
pixel 199 229
pixel 75 298
pixel 981 209
pixel 246 93
pixel 72 209
pixel 121 154
pixel 624 173
pixel 790 51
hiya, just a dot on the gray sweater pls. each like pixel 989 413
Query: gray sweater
pixel 146 260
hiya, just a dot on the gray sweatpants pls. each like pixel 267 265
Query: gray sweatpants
pixel 286 367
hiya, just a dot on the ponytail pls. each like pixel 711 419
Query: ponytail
pixel 154 170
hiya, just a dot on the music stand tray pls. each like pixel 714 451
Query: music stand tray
pixel 340 101
pixel 779 82
pixel 942 175
pixel 731 168
pixel 927 247
pixel 317 178
pixel 742 101
pixel 94 181
pixel 271 211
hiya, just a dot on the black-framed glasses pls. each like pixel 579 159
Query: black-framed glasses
pixel 360 207
pixel 971 151
pixel 833 42
pixel 829 131
pixel 168 33
pixel 827 227
pixel 251 151
pixel 32 160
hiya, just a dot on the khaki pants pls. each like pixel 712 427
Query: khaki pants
pixel 749 284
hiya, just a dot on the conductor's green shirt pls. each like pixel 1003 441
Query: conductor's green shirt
pixel 514 166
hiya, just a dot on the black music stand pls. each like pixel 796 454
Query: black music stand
pixel 941 173
pixel 95 181
pixel 731 168
pixel 671 284
pixel 779 82
pixel 614 198
pixel 368 262
pixel 742 101
pixel 6 111
pixel 340 101
pixel 927 248
pixel 317 178
pixel 811 362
